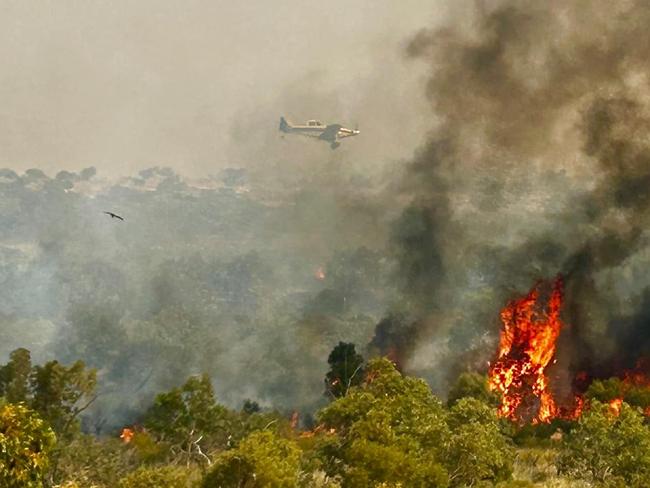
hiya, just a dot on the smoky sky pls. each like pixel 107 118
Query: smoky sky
pixel 167 113
pixel 502 143
pixel 124 86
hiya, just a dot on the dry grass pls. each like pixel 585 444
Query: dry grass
pixel 537 466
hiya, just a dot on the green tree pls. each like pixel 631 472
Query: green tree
pixel 189 419
pixel 477 451
pixel 14 376
pixel 389 429
pixel 25 445
pixel 636 395
pixel 609 447
pixel 605 390
pixel 346 369
pixel 158 477
pixel 60 394
pixel 473 385
pixel 262 460
pixel 250 407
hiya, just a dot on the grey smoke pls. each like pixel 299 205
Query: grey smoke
pixel 538 166
pixel 212 276
pixel 536 163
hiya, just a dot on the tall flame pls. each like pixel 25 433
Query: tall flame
pixel 526 347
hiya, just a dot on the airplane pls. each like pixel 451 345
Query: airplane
pixel 331 133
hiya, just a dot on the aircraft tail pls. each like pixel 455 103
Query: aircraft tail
pixel 284 125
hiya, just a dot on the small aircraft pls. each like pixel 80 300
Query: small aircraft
pixel 331 133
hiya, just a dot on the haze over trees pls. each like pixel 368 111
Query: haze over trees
pixel 308 319
pixel 199 278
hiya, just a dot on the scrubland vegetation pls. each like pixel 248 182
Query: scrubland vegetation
pixel 383 429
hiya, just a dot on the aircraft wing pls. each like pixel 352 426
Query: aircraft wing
pixel 329 134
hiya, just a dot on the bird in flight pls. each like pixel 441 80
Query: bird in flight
pixel 114 216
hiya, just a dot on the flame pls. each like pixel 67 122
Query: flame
pixel 637 377
pixel 526 347
pixel 576 411
pixel 319 429
pixel 631 379
pixel 320 273
pixel 126 435
pixel 615 406
pixel 294 420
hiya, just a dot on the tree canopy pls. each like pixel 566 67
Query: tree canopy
pixel 346 369
pixel 26 442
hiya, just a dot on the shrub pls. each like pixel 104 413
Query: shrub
pixel 25 445
pixel 477 451
pixel 158 477
pixel 390 429
pixel 609 448
pixel 262 460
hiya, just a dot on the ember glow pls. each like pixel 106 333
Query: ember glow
pixel 320 273
pixel 319 429
pixel 526 348
pixel 615 406
pixel 637 377
pixel 126 435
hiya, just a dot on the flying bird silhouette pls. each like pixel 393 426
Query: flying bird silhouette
pixel 114 216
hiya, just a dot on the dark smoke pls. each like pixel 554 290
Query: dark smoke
pixel 539 164
pixel 396 338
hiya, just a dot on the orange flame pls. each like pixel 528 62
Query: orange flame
pixel 576 411
pixel 615 406
pixel 320 273
pixel 527 346
pixel 631 379
pixel 319 429
pixel 126 435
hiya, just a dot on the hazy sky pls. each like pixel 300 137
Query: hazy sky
pixel 124 85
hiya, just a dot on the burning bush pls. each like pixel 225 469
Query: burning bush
pixel 392 429
pixel 526 348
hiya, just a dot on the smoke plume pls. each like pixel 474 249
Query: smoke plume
pixel 538 165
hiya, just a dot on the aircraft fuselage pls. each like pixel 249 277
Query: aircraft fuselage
pixel 331 133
